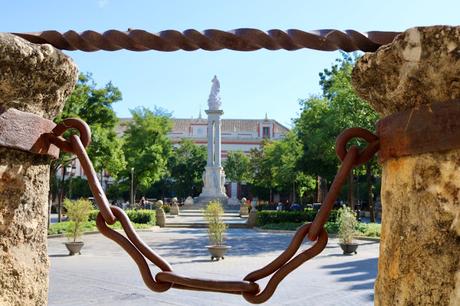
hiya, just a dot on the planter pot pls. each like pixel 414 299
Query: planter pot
pixel 74 247
pixel 218 251
pixel 348 248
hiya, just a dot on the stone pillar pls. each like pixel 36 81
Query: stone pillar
pixel 419 262
pixel 36 79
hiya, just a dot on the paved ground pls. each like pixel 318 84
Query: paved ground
pixel 105 275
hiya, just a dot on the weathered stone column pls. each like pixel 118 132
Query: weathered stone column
pixel 419 262
pixel 36 79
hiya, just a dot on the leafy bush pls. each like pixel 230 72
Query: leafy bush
pixel 369 229
pixel 141 216
pixel 61 227
pixel 216 226
pixel 78 213
pixel 166 208
pixel 89 226
pixel 267 217
pixel 332 227
pixel 262 207
pixel 93 214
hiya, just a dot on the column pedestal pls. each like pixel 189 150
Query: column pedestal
pixel 213 189
pixel 35 79
pixel 420 240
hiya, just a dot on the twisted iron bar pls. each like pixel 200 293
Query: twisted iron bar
pixel 244 39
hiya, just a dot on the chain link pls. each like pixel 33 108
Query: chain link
pixel 279 268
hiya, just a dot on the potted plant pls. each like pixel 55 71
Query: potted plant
pixel 346 219
pixel 216 230
pixel 78 213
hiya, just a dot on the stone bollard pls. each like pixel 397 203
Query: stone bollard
pixel 419 262
pixel 252 218
pixel 35 79
pixel 174 207
pixel 160 214
pixel 244 209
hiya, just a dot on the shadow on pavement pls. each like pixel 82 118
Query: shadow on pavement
pixel 242 241
pixel 359 274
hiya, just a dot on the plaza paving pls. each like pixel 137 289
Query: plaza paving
pixel 105 275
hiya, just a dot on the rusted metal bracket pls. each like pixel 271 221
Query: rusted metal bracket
pixel 27 132
pixel 425 129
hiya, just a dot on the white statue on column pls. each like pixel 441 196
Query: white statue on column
pixel 214 98
pixel 214 176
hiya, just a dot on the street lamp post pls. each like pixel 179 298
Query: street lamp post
pixel 132 183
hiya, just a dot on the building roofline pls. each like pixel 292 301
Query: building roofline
pixel 205 119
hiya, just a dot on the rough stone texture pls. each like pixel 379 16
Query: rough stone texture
pixel 35 79
pixel 419 261
pixel 420 67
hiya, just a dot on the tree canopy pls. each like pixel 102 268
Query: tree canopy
pixel 94 106
pixel 237 167
pixel 186 166
pixel 146 147
pixel 323 118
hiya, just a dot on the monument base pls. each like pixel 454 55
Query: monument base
pixel 234 201
pixel 203 201
pixel 213 189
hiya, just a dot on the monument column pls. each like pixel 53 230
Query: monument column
pixel 217 142
pixel 419 262
pixel 213 175
pixel 210 143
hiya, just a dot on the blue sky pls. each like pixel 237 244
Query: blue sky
pixel 252 83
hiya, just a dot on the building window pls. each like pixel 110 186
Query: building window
pixel 266 132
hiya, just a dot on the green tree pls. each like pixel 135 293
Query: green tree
pixel 237 167
pixel 94 106
pixel 261 174
pixel 146 148
pixel 323 118
pixel 186 166
pixel 276 167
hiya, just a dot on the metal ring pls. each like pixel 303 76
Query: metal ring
pixel 70 123
pixel 366 153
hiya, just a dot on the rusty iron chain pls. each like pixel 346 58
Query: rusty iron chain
pixel 244 39
pixel 279 268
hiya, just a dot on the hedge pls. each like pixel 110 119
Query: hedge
pixel 141 216
pixel 267 217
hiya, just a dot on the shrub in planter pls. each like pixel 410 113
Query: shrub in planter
pixel 77 212
pixel 216 229
pixel 347 223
